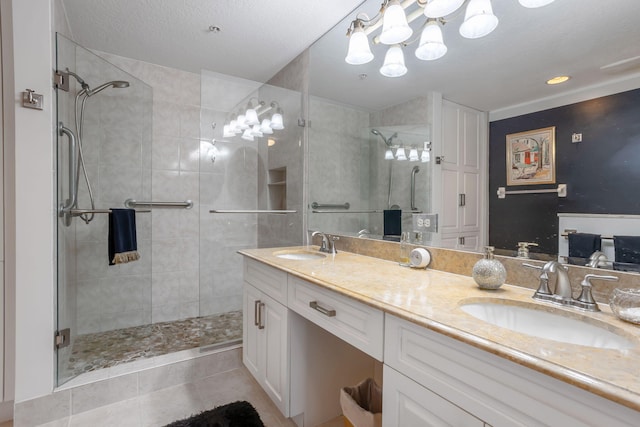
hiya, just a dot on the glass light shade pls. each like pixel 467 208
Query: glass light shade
pixel 276 121
pixel 255 131
pixel 426 156
pixel 388 155
pixel 242 122
pixel 265 127
pixel 431 44
pixel 359 51
pixel 251 117
pixel 440 8
pixel 413 155
pixel 479 19
pixel 247 135
pixel 233 126
pixel 227 132
pixel 395 28
pixel 394 62
pixel 400 154
pixel 535 3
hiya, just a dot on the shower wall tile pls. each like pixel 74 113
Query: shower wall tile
pixel 117 183
pixel 166 152
pixel 190 121
pixel 166 224
pixel 190 155
pixel 166 185
pixel 166 256
pixel 166 289
pixel 165 313
pixel 189 89
pixel 166 119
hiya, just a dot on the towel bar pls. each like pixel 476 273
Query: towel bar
pixel 249 211
pixel 132 203
pixel 316 205
pixel 78 212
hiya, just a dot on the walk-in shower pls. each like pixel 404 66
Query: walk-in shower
pixel 147 146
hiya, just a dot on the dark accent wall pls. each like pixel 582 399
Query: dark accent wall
pixel 602 172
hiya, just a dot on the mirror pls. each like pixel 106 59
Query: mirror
pixel 346 160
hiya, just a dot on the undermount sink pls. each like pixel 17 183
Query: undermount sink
pixel 551 325
pixel 299 255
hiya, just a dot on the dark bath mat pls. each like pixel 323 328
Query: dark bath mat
pixel 236 414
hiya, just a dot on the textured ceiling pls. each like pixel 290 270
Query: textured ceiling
pixel 258 38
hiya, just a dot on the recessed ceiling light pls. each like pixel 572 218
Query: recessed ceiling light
pixel 558 80
pixel 214 29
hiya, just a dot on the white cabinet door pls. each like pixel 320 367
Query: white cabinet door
pixel 251 302
pixel 274 348
pixel 266 344
pixel 408 404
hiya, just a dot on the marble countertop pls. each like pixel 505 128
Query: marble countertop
pixel 432 299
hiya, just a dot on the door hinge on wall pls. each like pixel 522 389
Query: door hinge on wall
pixel 61 80
pixel 62 338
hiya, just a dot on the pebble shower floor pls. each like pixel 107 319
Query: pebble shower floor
pixel 101 350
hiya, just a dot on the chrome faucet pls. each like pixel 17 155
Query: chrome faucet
pixel 328 242
pixel 562 293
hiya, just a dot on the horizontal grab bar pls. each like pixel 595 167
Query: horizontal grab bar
pixel 78 212
pixel 316 205
pixel 255 211
pixel 132 203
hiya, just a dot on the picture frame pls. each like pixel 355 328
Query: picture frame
pixel 531 157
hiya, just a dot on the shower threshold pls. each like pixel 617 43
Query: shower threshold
pixel 102 350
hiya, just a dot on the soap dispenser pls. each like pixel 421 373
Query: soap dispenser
pixel 523 249
pixel 489 273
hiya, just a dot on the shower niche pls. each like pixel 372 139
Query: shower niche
pixel 277 188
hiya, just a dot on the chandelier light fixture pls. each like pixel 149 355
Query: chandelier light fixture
pixel 247 124
pixel 395 18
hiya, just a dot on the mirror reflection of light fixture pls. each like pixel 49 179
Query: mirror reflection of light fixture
pixel 479 19
pixel 440 8
pixel 431 44
pixel 400 154
pixel 388 155
pixel 395 19
pixel 227 132
pixel 426 153
pixel 276 120
pixel 247 135
pixel 250 114
pixel 255 131
pixel 271 142
pixel 359 51
pixel 265 127
pixel 395 28
pixel 394 62
pixel 413 155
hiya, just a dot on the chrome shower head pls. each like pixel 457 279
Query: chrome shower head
pixel 119 84
pixel 80 80
pixel 387 141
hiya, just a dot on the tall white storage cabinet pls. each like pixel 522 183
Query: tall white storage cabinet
pixel 463 177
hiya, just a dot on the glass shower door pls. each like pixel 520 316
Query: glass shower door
pixel 108 114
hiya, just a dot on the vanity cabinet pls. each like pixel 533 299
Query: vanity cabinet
pixel 431 372
pixel 265 331
pixel 462 177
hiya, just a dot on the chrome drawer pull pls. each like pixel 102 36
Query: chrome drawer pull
pixel 318 307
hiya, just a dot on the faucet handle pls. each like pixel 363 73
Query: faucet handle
pixel 543 286
pixel 586 297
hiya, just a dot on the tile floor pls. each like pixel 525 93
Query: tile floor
pixel 170 404
pixel 102 350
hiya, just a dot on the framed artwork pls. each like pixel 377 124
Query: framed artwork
pixel 531 157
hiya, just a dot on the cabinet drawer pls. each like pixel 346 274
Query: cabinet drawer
pixel 269 280
pixel 356 323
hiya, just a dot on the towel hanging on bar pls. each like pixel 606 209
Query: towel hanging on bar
pixel 123 245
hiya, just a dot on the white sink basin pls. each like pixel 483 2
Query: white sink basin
pixel 551 325
pixel 299 255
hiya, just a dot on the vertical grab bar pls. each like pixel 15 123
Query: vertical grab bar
pixel 65 208
pixel 414 171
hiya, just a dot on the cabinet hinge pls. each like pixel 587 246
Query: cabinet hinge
pixel 62 338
